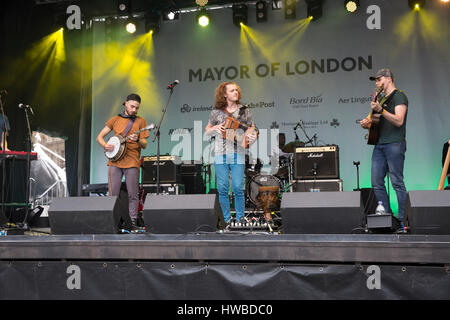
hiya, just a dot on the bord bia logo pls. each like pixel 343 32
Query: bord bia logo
pixel 306 102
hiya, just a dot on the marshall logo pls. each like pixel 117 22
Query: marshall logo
pixel 315 155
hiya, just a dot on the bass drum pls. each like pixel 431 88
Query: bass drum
pixel 261 180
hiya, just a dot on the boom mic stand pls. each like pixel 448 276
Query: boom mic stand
pixel 157 136
pixel 314 138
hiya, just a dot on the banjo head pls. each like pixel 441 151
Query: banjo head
pixel 117 152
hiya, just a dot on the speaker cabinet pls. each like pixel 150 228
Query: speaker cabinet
pixel 428 212
pixel 169 171
pixel 317 185
pixel 316 163
pixel 321 212
pixel 179 214
pixel 82 215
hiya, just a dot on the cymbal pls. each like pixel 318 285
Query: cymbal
pixel 290 147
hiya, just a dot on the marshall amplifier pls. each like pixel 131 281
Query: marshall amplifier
pixel 316 163
pixel 169 169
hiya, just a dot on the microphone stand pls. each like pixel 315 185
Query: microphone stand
pixel 356 163
pixel 3 156
pixel 314 138
pixel 27 192
pixel 157 136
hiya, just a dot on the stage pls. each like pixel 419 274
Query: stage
pixel 227 265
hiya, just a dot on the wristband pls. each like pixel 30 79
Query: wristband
pixel 103 144
pixel 383 111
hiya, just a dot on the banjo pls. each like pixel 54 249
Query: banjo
pixel 120 145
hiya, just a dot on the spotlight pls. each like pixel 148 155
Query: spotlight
pixel 261 11
pixel 203 18
pixel 131 26
pixel 290 9
pixel 314 9
pixel 201 3
pixel 351 5
pixel 416 4
pixel 277 4
pixel 240 14
pixel 152 22
pixel 171 15
pixel 124 7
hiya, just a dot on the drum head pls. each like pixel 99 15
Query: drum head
pixel 258 181
pixel 115 141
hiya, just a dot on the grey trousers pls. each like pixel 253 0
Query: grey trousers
pixel 115 175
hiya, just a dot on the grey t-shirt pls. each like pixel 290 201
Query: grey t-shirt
pixel 217 116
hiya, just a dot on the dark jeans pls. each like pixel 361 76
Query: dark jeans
pixel 390 158
pixel 115 175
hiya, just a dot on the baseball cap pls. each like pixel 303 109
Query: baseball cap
pixel 383 73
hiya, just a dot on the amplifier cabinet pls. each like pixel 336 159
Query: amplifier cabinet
pixel 316 162
pixel 165 188
pixel 316 185
pixel 169 169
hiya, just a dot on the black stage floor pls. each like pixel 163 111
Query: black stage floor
pixel 225 266
pixel 233 246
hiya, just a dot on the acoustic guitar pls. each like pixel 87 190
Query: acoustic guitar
pixel 374 132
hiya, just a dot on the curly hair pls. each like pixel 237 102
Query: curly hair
pixel 220 100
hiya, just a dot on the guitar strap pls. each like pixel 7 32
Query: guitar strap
pixel 387 99
pixel 129 125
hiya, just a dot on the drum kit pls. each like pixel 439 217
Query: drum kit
pixel 264 191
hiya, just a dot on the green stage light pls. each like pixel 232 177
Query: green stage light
pixel 203 18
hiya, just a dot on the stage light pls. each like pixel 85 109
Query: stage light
pixel 416 4
pixel 261 11
pixel 351 5
pixel 277 4
pixel 171 15
pixel 290 9
pixel 240 14
pixel 130 26
pixel 201 3
pixel 314 9
pixel 124 7
pixel 152 22
pixel 203 18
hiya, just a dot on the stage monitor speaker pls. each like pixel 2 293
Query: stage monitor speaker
pixel 179 214
pixel 321 212
pixel 428 212
pixel 317 163
pixel 169 171
pixel 83 215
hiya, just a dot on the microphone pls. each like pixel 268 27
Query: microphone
pixel 26 106
pixel 299 124
pixel 173 84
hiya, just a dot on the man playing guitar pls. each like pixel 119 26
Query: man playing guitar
pixel 389 152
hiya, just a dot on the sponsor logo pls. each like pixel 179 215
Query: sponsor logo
pixel 306 102
pixel 186 108
pixel 334 123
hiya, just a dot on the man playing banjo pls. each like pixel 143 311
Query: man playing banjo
pixel 126 124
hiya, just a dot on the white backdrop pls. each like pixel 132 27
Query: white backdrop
pixel 288 70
